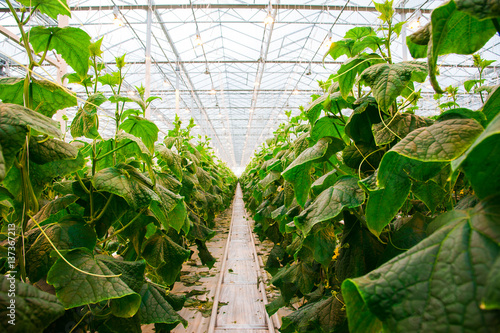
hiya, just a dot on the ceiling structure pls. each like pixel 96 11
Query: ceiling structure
pixel 244 73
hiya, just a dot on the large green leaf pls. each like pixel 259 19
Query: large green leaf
pixel 346 193
pixel 349 70
pixel 173 160
pixel 155 307
pixel 69 233
pixel 269 179
pixel 454 31
pixel 47 97
pixel 170 210
pixel 164 254
pixel 50 7
pixel 492 106
pixel 14 122
pixel 32 311
pixel 389 80
pixel 141 128
pixel 298 172
pixel 313 111
pixel 44 150
pixel 418 42
pixel 480 9
pixel 74 288
pixel 340 48
pixel 437 284
pixel 51 209
pixel 398 126
pixel 361 155
pixel 86 122
pixel 299 274
pixel 325 315
pixel 420 155
pixel 327 126
pixel 71 43
pixel 481 161
pixel 359 126
pixel 128 183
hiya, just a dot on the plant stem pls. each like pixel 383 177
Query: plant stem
pixel 103 210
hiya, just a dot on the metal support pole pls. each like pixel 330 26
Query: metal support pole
pixel 62 69
pixel 148 57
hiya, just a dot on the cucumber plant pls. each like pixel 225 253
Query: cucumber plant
pixel 95 231
pixel 386 220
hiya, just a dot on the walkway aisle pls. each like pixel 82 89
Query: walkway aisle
pixel 240 293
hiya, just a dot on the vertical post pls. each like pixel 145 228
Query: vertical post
pixel 63 21
pixel 148 56
pixel 403 33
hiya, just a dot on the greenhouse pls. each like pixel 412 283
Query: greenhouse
pixel 249 166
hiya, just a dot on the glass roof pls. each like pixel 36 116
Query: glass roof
pixel 245 74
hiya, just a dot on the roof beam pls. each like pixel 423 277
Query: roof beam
pixel 398 10
pixel 194 94
pixel 264 50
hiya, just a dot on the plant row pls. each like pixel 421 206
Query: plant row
pixel 385 220
pixel 94 232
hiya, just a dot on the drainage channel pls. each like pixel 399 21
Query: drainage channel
pixel 240 296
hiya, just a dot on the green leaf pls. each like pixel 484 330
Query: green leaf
pixel 128 183
pixel 52 208
pixel 142 128
pixel 298 172
pixel 50 7
pixel 14 120
pixel 155 307
pixel 69 233
pixel 85 81
pixel 71 43
pixel 385 10
pixel 349 70
pixel 48 97
pixel 340 48
pixel 423 289
pixel 420 155
pixel 492 106
pixel 137 147
pixel 462 113
pixel 480 9
pixel 418 42
pixel 270 178
pixel 313 111
pixel 346 193
pixel 324 244
pixel 325 126
pixel 32 311
pixel 359 126
pixel 86 121
pixel 454 31
pixel 325 181
pixel 165 255
pixel 49 150
pixel 491 297
pixel 112 80
pixel 389 80
pixel 471 83
pixel 74 288
pixel 95 48
pixel 131 272
pixel 362 155
pixel 371 42
pixel 398 126
pixel 481 161
pixel 300 274
pixel 430 192
pixel 359 32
